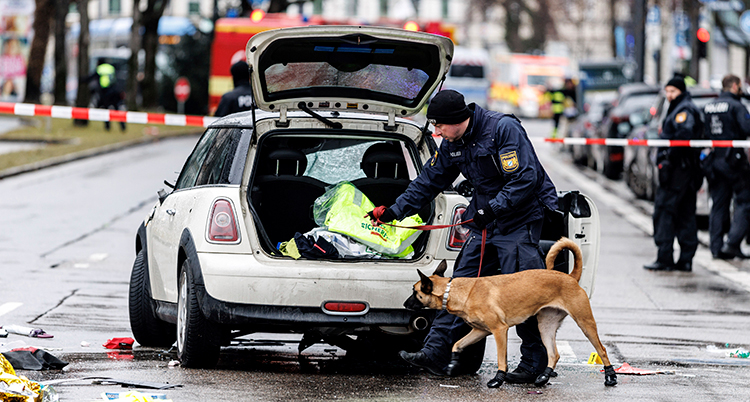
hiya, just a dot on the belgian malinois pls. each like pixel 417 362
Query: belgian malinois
pixel 491 305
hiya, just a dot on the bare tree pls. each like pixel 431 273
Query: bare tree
pixel 150 22
pixel 536 11
pixel 131 97
pixel 42 19
pixel 83 95
pixel 61 62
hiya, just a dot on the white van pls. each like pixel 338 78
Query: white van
pixel 470 75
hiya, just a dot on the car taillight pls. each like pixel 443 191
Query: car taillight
pixel 619 119
pixel 344 307
pixel 458 234
pixel 222 225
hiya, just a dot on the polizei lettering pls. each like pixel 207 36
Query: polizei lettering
pixel 721 107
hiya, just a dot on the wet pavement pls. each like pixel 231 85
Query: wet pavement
pixel 66 261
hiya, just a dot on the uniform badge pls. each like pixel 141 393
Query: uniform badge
pixel 509 161
pixel 681 117
pixel 434 159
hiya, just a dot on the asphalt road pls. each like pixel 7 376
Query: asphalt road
pixel 67 246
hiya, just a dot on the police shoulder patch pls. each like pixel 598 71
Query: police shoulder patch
pixel 680 117
pixel 434 158
pixel 509 161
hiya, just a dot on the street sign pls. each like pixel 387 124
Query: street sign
pixel 745 22
pixel 182 89
pixel 654 15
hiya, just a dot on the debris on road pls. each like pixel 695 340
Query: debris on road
pixel 135 384
pixel 174 363
pixel 595 359
pixel 85 344
pixel 448 386
pixel 30 358
pixel 134 396
pixel 27 331
pixel 628 369
pixel 3 333
pixel 119 343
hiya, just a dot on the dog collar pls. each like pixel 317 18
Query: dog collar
pixel 445 294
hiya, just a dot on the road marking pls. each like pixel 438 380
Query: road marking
pixel 98 257
pixel 566 352
pixel 8 307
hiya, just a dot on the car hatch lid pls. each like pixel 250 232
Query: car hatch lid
pixel 367 69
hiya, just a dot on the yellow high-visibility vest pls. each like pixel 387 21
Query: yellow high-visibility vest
pixel 106 74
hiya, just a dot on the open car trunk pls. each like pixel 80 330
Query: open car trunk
pixel 294 168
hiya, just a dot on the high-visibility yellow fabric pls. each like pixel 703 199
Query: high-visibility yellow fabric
pixel 106 74
pixel 343 209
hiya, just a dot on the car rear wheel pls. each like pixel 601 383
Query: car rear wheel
pixel 198 340
pixel 147 328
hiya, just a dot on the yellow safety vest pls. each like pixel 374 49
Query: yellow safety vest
pixel 557 102
pixel 106 73
pixel 343 209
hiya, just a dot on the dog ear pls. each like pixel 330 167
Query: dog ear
pixel 425 282
pixel 440 270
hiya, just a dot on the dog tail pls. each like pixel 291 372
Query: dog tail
pixel 565 243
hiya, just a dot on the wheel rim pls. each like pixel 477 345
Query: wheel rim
pixel 182 313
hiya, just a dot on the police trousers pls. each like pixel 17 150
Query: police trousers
pixel 504 254
pixel 722 189
pixel 674 216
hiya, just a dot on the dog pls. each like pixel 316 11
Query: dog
pixel 491 305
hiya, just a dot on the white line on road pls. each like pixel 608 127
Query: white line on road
pixel 566 352
pixel 8 307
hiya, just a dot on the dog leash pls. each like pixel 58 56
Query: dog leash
pixel 434 227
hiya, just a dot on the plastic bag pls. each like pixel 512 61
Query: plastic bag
pixel 343 209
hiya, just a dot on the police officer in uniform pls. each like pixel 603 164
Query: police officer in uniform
pixel 727 169
pixel 241 97
pixel 512 190
pixel 110 97
pixel 679 179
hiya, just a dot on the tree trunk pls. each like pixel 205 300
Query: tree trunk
pixel 42 18
pixel 512 24
pixel 150 22
pixel 83 95
pixel 131 98
pixel 612 26
pixel 61 62
pixel 542 20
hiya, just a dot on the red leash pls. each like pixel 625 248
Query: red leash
pixel 433 227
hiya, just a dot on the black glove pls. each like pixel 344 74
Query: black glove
pixel 484 216
pixel 382 214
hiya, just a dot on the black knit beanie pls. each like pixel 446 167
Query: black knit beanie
pixel 448 107
pixel 677 82
pixel 240 73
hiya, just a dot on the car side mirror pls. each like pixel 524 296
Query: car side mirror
pixel 162 195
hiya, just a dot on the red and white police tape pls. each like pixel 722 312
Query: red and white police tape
pixel 624 142
pixel 67 112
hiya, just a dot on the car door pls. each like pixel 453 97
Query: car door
pixel 170 218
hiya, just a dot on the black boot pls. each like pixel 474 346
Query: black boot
pixel 658 266
pixel 610 378
pixel 733 251
pixel 498 380
pixel 453 366
pixel 543 378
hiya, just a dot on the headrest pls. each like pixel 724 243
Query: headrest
pixel 286 161
pixel 384 160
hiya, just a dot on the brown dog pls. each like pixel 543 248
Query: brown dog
pixel 491 305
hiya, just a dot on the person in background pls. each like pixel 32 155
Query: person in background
pixel 241 97
pixel 561 100
pixel 680 177
pixel 728 169
pixel 110 97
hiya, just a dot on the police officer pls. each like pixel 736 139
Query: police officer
pixel 512 190
pixel 557 100
pixel 679 179
pixel 110 97
pixel 241 97
pixel 727 169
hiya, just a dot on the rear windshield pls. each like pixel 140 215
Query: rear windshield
pixel 637 102
pixel 352 66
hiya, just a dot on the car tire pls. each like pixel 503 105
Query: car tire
pixel 147 328
pixel 198 340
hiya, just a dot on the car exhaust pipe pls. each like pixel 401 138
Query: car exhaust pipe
pixel 420 323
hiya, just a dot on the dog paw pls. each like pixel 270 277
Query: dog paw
pixel 543 378
pixel 498 380
pixel 610 378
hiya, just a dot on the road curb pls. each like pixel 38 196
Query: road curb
pixel 88 153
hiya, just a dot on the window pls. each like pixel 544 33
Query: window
pixel 218 161
pixel 114 7
pixel 195 160
pixel 194 8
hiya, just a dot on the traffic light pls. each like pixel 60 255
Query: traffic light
pixel 703 37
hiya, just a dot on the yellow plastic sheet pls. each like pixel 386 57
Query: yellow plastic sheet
pixel 16 388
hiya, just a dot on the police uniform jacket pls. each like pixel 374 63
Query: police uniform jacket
pixel 496 156
pixel 684 121
pixel 237 100
pixel 727 119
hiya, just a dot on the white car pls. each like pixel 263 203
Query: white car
pixel 332 103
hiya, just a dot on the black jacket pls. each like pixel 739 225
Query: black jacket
pixel 237 100
pixel 680 166
pixel 727 119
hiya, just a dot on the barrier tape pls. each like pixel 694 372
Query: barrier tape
pixel 82 113
pixel 624 142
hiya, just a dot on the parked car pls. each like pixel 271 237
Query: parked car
pixel 631 99
pixel 208 265
pixel 587 124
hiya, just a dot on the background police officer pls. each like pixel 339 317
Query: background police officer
pixel 727 169
pixel 109 94
pixel 241 97
pixel 512 190
pixel 679 179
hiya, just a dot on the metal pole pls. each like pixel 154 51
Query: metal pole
pixel 640 38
